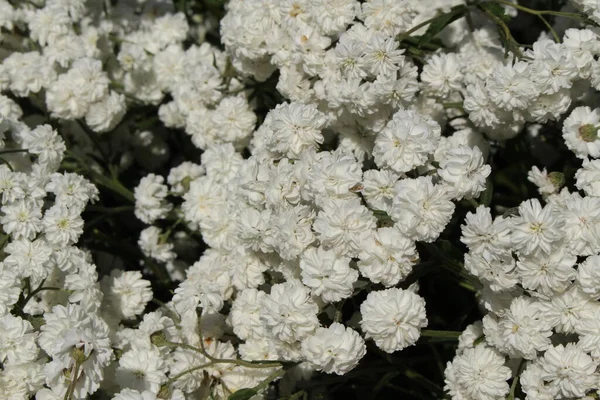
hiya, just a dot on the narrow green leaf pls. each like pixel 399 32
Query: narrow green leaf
pixel 243 394
pixel 497 10
pixel 442 21
pixel 488 193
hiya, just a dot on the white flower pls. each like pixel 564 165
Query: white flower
pixel 336 349
pixel 582 224
pixel 547 273
pixel 150 199
pixel 183 175
pixel 485 236
pixel 332 16
pixel 553 66
pixel 71 333
pixel 532 383
pixel 568 371
pixel 22 381
pixel 244 316
pixel 189 361
pixel 10 288
pixel 105 115
pixel 334 175
pixel 343 225
pixel 46 144
pixel 71 190
pixel 142 369
pixel 470 337
pixel 204 197
pixel 566 310
pixel 580 131
pixel 407 141
pixel 510 86
pixel 233 119
pixel 48 24
pixel 295 128
pixel 464 170
pixel 478 373
pixel 442 75
pixel 289 313
pixel 421 209
pixel 22 219
pixel 583 45
pixel 62 225
pixel 495 270
pixel 17 341
pixel 153 245
pixel 588 177
pixel 208 284
pixel 29 259
pixel 588 276
pixel 521 332
pixel 128 292
pixel 393 318
pixel 589 335
pixel 379 188
pixel 382 56
pixel 387 257
pixel 388 16
pixel 327 274
pixel 536 228
pixel 544 181
pixel 129 394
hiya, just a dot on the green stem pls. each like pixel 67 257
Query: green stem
pixel 295 396
pixel 542 12
pixel 415 42
pixel 408 392
pixel 403 35
pixel 10 151
pixel 513 386
pixel 468 285
pixel 95 140
pixel 73 382
pixel 458 105
pixel 37 290
pixel 3 161
pixel 277 374
pixel 171 313
pixel 4 241
pixel 440 334
pixel 505 31
pixel 550 28
pixel 479 340
pixel 165 236
pixel 188 371
pixel 424 382
pixel 112 184
pixel 438 359
pixel 110 210
pixel 242 363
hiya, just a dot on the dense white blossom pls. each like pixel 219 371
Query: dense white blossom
pixel 393 318
pixel 229 198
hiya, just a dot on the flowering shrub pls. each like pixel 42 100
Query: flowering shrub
pixel 299 199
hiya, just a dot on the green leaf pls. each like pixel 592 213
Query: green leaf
pixel 243 394
pixel 496 13
pixel 488 193
pixel 497 10
pixel 442 21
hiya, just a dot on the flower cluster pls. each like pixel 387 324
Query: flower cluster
pixel 233 199
pixel 295 229
pixel 52 332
